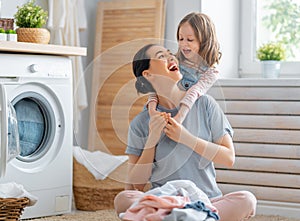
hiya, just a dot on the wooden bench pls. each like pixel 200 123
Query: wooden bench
pixel 265 116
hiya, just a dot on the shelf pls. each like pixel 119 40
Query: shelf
pixel 50 49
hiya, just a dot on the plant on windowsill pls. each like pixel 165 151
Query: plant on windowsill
pixel 30 18
pixel 270 54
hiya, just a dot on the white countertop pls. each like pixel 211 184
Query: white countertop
pixel 50 49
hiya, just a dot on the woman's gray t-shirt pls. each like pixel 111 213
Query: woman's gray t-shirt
pixel 175 161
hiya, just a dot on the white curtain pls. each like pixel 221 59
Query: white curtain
pixel 66 19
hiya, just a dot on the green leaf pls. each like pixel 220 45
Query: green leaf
pixel 30 15
pixel 9 31
pixel 283 19
pixel 271 51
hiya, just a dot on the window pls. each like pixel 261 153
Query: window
pixel 270 20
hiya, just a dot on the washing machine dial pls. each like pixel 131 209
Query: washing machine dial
pixel 34 68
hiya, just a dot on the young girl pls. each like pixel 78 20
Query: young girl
pixel 198 52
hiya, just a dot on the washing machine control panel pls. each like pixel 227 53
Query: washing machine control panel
pixel 41 66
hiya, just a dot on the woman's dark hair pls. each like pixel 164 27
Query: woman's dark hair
pixel 141 62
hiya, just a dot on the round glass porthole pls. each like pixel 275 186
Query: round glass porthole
pixel 35 124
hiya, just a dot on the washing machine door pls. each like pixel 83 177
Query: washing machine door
pixel 9 135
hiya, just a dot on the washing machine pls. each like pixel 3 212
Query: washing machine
pixel 36 129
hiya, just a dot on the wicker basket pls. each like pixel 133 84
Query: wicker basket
pixel 91 194
pixel 33 35
pixel 12 208
pixel 7 23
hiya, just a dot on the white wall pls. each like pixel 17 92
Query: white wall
pixel 223 13
pixel 9 7
pixel 226 18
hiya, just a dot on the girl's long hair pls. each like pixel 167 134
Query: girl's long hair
pixel 204 30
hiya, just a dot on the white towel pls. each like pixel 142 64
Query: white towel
pixel 14 190
pixel 66 19
pixel 98 163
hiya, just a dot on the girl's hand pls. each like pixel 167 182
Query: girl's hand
pixel 152 108
pixel 153 112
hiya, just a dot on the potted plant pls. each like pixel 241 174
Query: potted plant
pixel 270 54
pixel 30 19
pixel 11 35
pixel 2 35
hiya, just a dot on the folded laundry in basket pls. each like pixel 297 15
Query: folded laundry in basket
pixel 98 163
pixel 14 190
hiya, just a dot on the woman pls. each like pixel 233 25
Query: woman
pixel 161 150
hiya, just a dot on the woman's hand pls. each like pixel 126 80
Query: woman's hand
pixel 140 167
pixel 156 125
pixel 174 130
